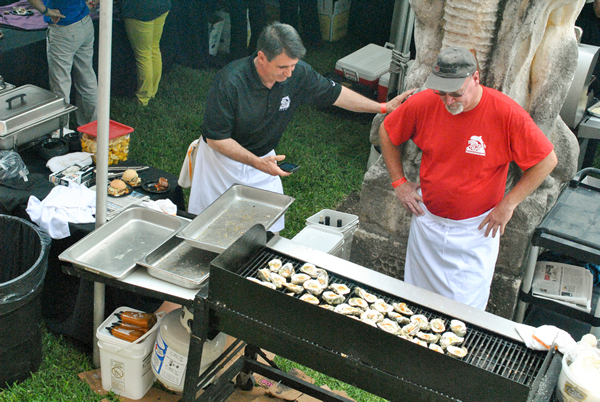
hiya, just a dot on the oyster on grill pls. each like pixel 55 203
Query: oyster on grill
pixel 437 325
pixel 327 306
pixel 421 319
pixel 340 288
pixel 427 337
pixel 264 274
pixel 269 285
pixel 332 297
pixel 420 342
pixel 381 306
pixel 309 269
pixel 286 270
pixel 278 280
pixel 372 315
pixel 402 308
pixel 307 297
pixel 412 328
pixel 313 286
pixel 323 277
pixel 458 327
pixel 436 347
pixel 299 279
pixel 254 280
pixel 275 264
pixel 389 326
pixel 456 351
pixel 297 289
pixel 360 292
pixel 450 339
pixel 399 318
pixel 367 321
pixel 347 309
pixel 358 302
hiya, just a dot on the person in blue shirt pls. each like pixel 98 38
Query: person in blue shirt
pixel 70 50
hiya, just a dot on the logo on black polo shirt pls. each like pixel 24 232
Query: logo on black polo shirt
pixel 285 104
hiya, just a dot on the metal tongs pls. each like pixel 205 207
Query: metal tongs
pixel 116 171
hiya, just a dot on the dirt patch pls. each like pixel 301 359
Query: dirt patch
pixel 350 204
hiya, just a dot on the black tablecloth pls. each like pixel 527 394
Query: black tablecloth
pixel 67 301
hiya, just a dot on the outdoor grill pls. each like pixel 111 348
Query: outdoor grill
pixel 498 366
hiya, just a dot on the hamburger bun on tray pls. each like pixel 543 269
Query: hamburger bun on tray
pixel 131 177
pixel 118 188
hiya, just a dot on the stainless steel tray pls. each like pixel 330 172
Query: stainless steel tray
pixel 114 248
pixel 234 212
pixel 177 262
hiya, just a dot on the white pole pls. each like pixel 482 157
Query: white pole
pixel 104 63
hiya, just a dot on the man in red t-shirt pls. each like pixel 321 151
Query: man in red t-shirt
pixel 468 134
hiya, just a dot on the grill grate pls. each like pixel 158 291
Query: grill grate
pixel 487 350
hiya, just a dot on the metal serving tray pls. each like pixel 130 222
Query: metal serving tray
pixel 591 109
pixel 28 113
pixel 232 214
pixel 177 262
pixel 114 248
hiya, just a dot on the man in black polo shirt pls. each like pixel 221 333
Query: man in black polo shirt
pixel 250 104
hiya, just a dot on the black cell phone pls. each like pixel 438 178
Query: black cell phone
pixel 288 167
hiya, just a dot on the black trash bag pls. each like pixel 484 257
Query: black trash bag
pixel 24 249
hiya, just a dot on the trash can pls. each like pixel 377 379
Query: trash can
pixel 24 249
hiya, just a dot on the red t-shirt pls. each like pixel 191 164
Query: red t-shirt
pixel 466 157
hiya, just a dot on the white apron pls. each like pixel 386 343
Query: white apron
pixel 214 173
pixel 451 258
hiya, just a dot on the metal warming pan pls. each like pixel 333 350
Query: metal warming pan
pixel 114 249
pixel 232 214
pixel 28 113
pixel 498 367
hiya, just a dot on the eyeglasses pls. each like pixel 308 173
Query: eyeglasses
pixel 452 94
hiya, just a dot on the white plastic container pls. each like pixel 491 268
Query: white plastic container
pixel 169 359
pixel 366 65
pixel 579 378
pixel 125 366
pixel 349 225
pixel 321 239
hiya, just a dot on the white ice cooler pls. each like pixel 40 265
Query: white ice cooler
pixel 366 65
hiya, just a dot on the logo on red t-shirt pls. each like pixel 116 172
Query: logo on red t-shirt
pixel 476 146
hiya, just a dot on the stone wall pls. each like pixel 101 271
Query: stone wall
pixel 526 49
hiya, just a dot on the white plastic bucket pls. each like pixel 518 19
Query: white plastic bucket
pixel 572 388
pixel 321 239
pixel 125 366
pixel 349 225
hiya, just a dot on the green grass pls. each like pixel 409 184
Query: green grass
pixel 332 148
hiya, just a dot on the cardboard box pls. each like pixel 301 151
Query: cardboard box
pixel 64 178
pixel 333 18
pixel 366 65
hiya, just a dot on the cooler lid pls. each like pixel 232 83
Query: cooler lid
pixel 27 106
pixel 319 239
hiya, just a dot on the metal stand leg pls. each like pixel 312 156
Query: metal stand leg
pixel 527 280
pixel 197 339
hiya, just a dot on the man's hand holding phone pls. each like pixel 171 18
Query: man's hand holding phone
pixel 288 167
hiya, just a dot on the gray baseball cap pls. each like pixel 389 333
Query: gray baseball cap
pixel 452 67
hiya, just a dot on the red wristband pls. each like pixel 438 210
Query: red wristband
pixel 384 108
pixel 399 182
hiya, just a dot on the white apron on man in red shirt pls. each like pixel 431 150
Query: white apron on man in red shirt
pixel 451 257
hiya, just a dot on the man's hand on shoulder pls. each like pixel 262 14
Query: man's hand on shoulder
pixel 397 101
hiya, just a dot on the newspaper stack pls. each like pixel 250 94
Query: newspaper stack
pixel 565 284
pixel 114 205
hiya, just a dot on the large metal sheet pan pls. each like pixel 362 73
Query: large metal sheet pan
pixel 114 248
pixel 232 214
pixel 177 262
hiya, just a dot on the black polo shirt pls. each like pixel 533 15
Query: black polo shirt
pixel 241 107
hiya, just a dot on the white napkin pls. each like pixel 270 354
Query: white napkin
pixel 543 337
pixel 165 206
pixel 60 163
pixel 75 204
